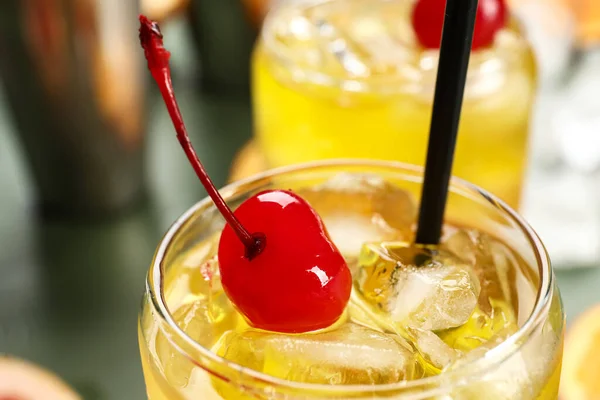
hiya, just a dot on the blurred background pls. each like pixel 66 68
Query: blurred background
pixel 91 175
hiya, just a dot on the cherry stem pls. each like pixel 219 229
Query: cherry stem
pixel 157 56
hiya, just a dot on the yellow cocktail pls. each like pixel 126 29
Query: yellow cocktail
pixel 479 317
pixel 335 78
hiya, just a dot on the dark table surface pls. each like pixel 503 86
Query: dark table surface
pixel 70 292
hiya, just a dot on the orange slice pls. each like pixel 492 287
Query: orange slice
pixel 580 379
pixel 22 380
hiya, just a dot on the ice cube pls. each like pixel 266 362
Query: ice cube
pixel 359 208
pixel 196 273
pixel 350 354
pixel 245 348
pixel 492 261
pixel 349 232
pixel 416 287
pixel 379 44
pixel 204 320
pixel 511 379
pixel 436 353
pixel 365 38
pixel 361 315
pixel 205 277
pixel 481 327
pixel 524 374
pixel 342 48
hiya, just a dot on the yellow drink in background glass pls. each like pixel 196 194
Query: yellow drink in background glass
pixel 348 79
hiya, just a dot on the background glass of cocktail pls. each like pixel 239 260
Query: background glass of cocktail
pixel 176 345
pixel 349 79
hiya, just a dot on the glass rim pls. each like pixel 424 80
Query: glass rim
pixel 365 84
pixel 473 368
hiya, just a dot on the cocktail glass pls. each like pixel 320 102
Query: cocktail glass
pixel 187 321
pixel 348 79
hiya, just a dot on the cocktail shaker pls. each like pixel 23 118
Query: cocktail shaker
pixel 72 73
pixel 224 37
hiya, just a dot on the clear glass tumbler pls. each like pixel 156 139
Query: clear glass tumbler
pixel 178 356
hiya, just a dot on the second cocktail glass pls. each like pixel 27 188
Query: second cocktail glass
pixel 349 78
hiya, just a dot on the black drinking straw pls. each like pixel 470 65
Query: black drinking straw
pixel 455 50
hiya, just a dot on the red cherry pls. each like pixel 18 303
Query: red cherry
pixel 279 267
pixel 428 19
pixel 300 282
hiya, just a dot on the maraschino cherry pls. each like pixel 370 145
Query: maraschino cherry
pixel 428 20
pixel 278 265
